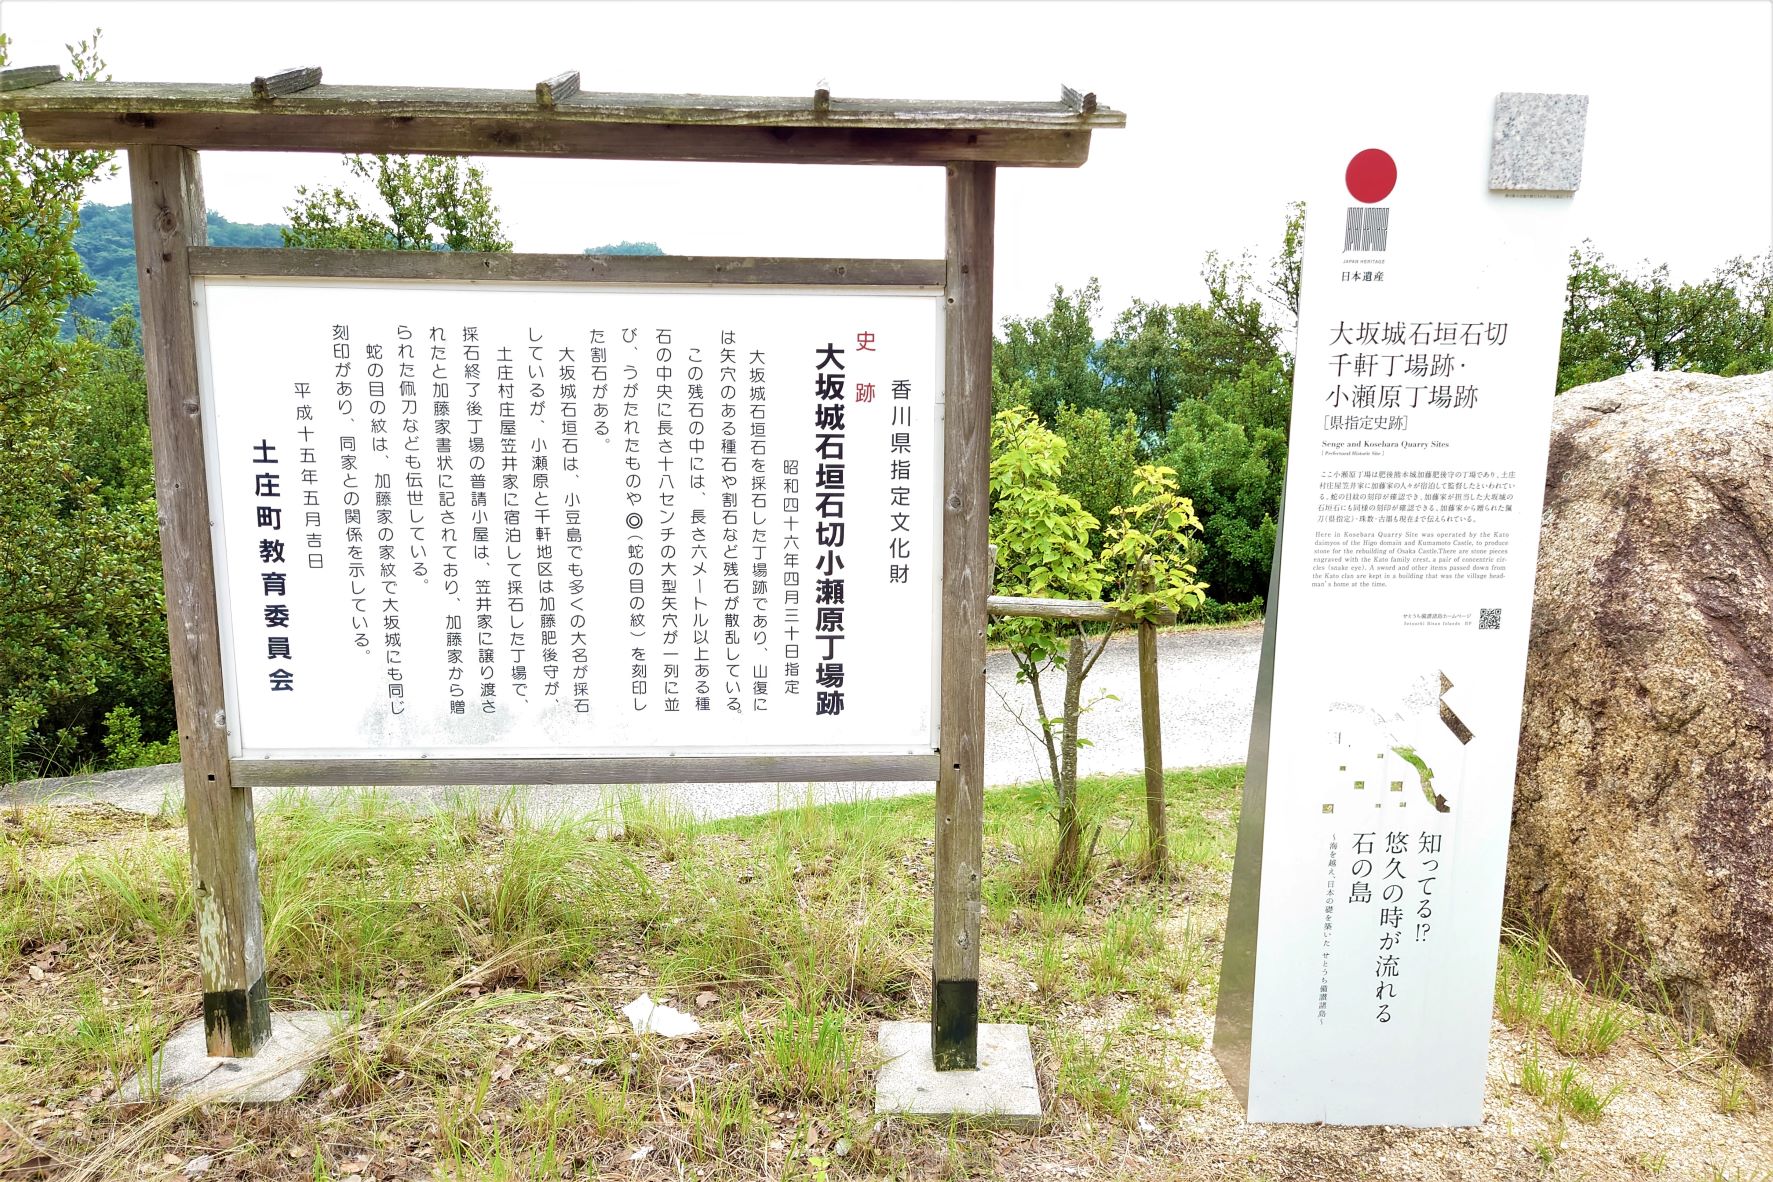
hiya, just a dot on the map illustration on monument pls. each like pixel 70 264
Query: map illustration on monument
pixel 1413 743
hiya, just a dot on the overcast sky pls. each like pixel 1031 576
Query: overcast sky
pixel 1221 98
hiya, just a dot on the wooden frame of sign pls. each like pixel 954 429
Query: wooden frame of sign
pixel 163 127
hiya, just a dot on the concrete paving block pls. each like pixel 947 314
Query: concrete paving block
pixel 183 1067
pixel 1001 1093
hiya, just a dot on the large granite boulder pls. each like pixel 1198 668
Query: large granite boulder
pixel 1643 819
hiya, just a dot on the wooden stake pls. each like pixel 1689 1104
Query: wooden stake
pixel 1083 104
pixel 269 86
pixel 166 191
pixel 966 463
pixel 555 90
pixel 1150 719
pixel 25 77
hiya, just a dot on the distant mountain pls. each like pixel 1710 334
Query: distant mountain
pixel 625 247
pixel 105 242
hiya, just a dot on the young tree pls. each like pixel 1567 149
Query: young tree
pixel 420 203
pixel 1043 537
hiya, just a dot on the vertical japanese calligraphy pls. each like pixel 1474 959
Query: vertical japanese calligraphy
pixel 268 517
pixel 548 519
pixel 828 502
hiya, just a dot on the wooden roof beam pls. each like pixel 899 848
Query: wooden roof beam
pixel 482 122
pixel 548 134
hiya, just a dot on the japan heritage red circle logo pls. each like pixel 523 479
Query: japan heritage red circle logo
pixel 1371 175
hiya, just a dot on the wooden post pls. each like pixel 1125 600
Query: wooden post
pixel 966 464
pixel 1157 829
pixel 167 193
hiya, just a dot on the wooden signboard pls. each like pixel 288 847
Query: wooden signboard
pixel 222 381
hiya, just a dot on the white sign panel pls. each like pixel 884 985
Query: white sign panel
pixel 1426 364
pixel 517 519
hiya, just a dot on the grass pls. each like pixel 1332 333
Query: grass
pixel 1090 1078
pixel 484 951
pixel 1735 1091
pixel 806 1055
pixel 1536 992
pixel 1567 1091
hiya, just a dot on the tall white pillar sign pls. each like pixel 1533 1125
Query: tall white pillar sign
pixel 1361 947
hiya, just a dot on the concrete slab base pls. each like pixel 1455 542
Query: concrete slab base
pixel 1001 1093
pixel 183 1068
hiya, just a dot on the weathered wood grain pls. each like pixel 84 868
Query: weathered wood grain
pixel 566 268
pixel 25 77
pixel 966 461
pixel 551 92
pixel 146 99
pixel 1157 841
pixel 292 81
pixel 277 128
pixel 167 195
pixel 1081 610
pixel 665 769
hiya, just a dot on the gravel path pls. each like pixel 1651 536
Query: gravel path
pixel 1206 682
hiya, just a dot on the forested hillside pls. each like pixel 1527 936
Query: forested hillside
pixel 105 243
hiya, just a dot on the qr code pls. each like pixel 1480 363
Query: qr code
pixel 1489 619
